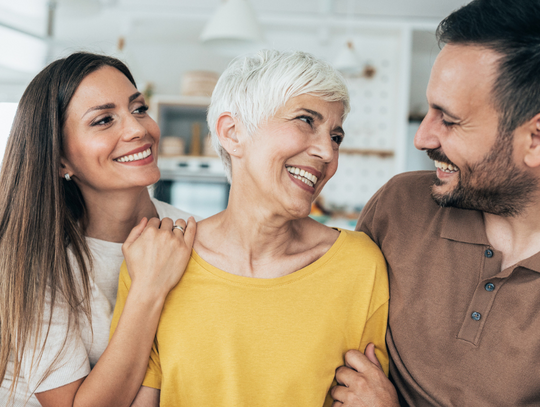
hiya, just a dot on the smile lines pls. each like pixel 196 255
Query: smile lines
pixel 302 175
pixel 445 167
pixel 135 157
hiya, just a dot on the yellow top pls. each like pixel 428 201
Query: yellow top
pixel 228 340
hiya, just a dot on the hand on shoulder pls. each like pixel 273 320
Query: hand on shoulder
pixel 157 254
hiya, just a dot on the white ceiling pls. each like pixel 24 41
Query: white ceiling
pixel 31 15
pixel 99 23
pixel 182 20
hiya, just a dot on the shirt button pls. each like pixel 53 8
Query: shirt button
pixel 488 253
pixel 476 316
pixel 489 287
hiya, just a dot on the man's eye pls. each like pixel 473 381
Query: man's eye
pixel 447 124
pixel 337 139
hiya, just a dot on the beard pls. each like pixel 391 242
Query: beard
pixel 493 185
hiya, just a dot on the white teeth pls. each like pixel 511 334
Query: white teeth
pixel 304 180
pixel 135 157
pixel 303 175
pixel 445 167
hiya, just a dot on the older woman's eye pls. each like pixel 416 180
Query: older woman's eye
pixel 307 119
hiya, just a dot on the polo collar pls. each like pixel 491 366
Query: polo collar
pixel 463 225
pixel 467 226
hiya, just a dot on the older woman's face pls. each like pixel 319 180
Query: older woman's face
pixel 294 153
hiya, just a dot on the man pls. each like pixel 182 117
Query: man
pixel 463 243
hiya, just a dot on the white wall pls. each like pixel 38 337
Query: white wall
pixel 7 113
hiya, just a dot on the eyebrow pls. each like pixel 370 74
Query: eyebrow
pixel 314 113
pixel 319 116
pixel 111 105
pixel 445 111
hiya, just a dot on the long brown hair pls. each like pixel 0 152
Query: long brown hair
pixel 42 214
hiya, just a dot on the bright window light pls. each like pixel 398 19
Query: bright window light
pixel 7 114
pixel 21 52
pixel 25 15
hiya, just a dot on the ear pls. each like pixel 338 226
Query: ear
pixel 532 129
pixel 65 168
pixel 228 129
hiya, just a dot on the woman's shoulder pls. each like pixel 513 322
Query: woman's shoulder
pixel 166 210
pixel 337 235
pixel 357 246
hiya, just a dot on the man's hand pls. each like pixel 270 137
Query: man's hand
pixel 362 382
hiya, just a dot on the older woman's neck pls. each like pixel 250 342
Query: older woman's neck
pixel 257 228
pixel 112 215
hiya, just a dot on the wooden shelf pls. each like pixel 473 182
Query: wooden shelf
pixel 363 151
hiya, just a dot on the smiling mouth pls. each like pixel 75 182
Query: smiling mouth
pixel 135 157
pixel 445 167
pixel 303 175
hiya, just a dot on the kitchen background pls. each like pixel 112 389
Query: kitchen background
pixel 176 49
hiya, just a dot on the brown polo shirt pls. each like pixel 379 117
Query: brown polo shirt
pixel 461 331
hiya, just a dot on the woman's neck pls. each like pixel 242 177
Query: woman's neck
pixel 111 216
pixel 249 228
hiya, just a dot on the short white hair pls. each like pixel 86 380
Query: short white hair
pixel 253 88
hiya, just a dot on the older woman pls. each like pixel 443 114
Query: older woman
pixel 271 300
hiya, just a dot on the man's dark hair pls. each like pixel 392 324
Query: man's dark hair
pixel 512 29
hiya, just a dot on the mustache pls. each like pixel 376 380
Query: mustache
pixel 437 155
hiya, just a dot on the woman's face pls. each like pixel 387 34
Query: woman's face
pixel 294 153
pixel 110 142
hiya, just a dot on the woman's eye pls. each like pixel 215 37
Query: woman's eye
pixel 142 109
pixel 102 121
pixel 306 119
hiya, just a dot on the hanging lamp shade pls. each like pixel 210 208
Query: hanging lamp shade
pixel 347 60
pixel 233 27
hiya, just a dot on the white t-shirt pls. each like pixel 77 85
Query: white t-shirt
pixel 84 346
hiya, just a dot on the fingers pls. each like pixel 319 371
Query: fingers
pixel 370 354
pixel 177 232
pixel 362 382
pixel 190 230
pixel 166 224
pixel 357 360
pixel 338 394
pixel 345 375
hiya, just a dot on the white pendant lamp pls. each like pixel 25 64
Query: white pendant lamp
pixel 347 61
pixel 233 28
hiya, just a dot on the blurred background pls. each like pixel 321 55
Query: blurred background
pixel 177 49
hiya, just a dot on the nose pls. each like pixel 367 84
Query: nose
pixel 322 147
pixel 426 137
pixel 132 128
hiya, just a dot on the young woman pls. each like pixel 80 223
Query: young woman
pixel 81 154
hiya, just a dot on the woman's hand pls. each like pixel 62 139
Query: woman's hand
pixel 157 254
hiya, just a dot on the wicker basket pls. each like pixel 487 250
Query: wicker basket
pixel 198 83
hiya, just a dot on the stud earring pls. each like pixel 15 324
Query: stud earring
pixel 234 151
pixel 67 177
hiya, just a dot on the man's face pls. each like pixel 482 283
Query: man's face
pixel 475 164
